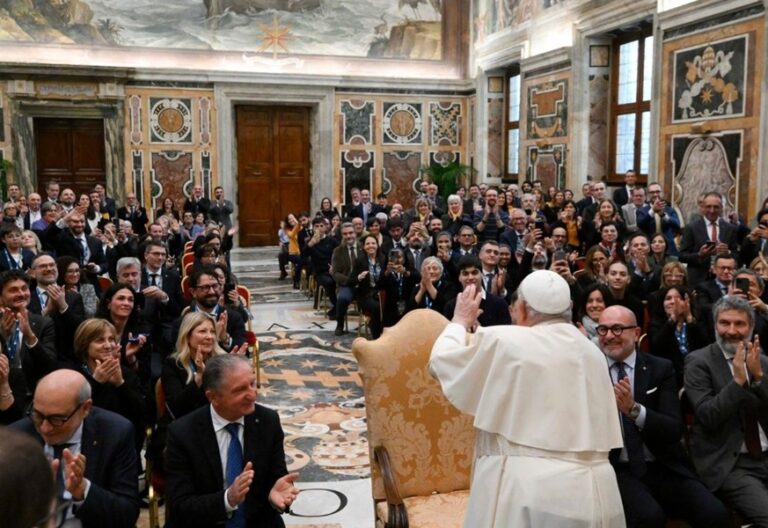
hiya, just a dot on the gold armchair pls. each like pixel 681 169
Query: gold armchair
pixel 421 446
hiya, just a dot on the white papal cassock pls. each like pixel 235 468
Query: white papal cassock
pixel 546 418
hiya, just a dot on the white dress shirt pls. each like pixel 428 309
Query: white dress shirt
pixel 223 438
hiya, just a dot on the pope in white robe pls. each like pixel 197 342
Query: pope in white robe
pixel 545 412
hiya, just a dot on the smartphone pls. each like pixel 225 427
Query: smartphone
pixel 742 284
pixel 710 243
pixel 228 287
pixel 559 255
pixel 135 339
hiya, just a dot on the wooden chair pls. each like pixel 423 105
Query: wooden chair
pixel 253 350
pixel 156 481
pixel 186 289
pixel 104 283
pixel 644 344
pixel 188 246
pixel 421 446
pixel 187 260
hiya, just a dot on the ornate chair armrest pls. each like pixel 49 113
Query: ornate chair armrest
pixel 397 516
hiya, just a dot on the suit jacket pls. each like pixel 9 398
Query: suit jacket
pixel 670 225
pixel 410 262
pixel 111 466
pixel 34 362
pixel 495 311
pixel 65 324
pixel 707 294
pixel 26 260
pixel 694 236
pixel 343 266
pixel 357 211
pixel 621 196
pixel 64 243
pixel 718 404
pixel 138 218
pixel 655 388
pixel 196 479
pixel 200 206
pixel 221 213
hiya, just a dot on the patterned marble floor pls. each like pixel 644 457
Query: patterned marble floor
pixel 309 377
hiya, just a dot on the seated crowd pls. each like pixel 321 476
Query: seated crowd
pixel 693 288
pixel 97 304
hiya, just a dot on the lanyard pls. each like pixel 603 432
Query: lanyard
pixel 12 262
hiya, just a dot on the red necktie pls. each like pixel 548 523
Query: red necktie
pixel 714 231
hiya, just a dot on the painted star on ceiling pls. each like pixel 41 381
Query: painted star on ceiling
pixel 275 36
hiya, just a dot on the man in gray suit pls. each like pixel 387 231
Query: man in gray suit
pixel 629 211
pixel 724 383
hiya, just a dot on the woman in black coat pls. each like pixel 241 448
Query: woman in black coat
pixel 369 271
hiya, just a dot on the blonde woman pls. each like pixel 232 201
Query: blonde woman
pixel 183 370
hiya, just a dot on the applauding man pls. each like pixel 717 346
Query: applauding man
pixel 225 462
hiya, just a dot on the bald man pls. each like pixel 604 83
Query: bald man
pixel 92 452
pixel 654 476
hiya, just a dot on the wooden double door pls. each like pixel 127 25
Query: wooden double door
pixel 70 151
pixel 273 169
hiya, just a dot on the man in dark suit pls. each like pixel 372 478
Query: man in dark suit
pixel 93 451
pixel 34 213
pixel 221 210
pixel 724 383
pixel 29 340
pixel 474 202
pixel 67 237
pixel 225 461
pixel 756 242
pixel 366 208
pixel 135 214
pixel 207 292
pixel 658 217
pixel 706 237
pixel 197 203
pixel 163 298
pixel 320 249
pixel 587 199
pixel 622 195
pixel 417 251
pixel 495 310
pixel 65 308
pixel 710 291
pixel 107 201
pixel 590 208
pixel 655 480
pixel 343 261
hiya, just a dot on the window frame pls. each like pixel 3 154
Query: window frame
pixel 511 177
pixel 636 108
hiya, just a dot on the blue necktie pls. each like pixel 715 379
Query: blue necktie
pixel 632 440
pixel 235 466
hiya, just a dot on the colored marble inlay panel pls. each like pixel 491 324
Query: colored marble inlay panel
pixel 548 110
pixel 400 172
pixel 495 136
pixel 548 165
pixel 445 123
pixel 710 81
pixel 402 124
pixel 173 172
pixel 170 120
pixel 357 168
pixel 357 122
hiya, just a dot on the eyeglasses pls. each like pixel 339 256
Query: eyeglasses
pixel 211 287
pixel 616 330
pixel 59 514
pixel 55 420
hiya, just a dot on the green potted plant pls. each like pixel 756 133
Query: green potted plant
pixel 448 177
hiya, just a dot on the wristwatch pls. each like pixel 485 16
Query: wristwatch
pixel 634 412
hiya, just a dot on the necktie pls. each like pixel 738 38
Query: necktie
pixel 13 342
pixel 86 252
pixel 235 466
pixel 417 259
pixel 714 231
pixel 352 255
pixel 488 282
pixel 58 454
pixel 43 296
pixel 632 441
pixel 153 279
pixel 751 433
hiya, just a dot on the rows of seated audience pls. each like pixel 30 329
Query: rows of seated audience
pixel 100 289
pixel 631 249
pixel 125 301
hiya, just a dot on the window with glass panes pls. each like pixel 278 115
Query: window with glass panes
pixel 632 68
pixel 512 124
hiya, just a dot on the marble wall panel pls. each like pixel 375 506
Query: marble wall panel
pixel 547 164
pixel 548 110
pixel 710 107
pixel 357 121
pixel 495 137
pixel 446 123
pixel 599 108
pixel 402 123
pixel 401 172
pixel 357 170
pixel 172 174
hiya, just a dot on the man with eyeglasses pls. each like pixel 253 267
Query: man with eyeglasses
pixel 655 480
pixel 544 411
pixel 91 449
pixel 709 292
pixel 725 386
pixel 64 307
pixel 207 297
